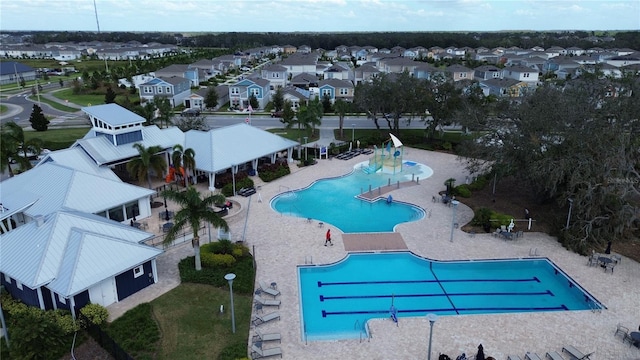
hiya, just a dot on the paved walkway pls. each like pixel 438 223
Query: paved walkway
pixel 282 243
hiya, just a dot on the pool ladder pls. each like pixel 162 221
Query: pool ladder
pixel 308 259
pixel 361 332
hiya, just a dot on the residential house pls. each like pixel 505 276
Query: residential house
pixel 486 72
pixel 175 88
pixel 304 81
pixel 575 51
pixel 364 73
pixel 503 87
pixel 181 70
pixel 289 49
pixel 521 73
pixel 12 72
pixel 458 72
pixel 554 64
pixel 276 75
pixel 624 60
pixel 397 65
pixel 534 62
pixel 241 92
pixel 296 96
pixel 336 89
pixel 300 63
pixel 197 99
pixel 426 71
pixel 340 71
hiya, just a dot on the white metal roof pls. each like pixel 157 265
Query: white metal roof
pixel 72 251
pixel 76 158
pixel 59 187
pixel 113 114
pixel 104 152
pixel 222 148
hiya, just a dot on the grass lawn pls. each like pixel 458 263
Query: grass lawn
pixel 191 325
pixel 54 104
pixel 56 139
pixel 3 109
pixel 86 99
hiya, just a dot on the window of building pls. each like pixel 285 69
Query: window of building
pixel 132 209
pixel 138 271
pixel 167 90
pixel 344 91
pixel 159 89
pixel 148 90
pixel 255 92
pixel 235 90
pixel 326 92
pixel 116 214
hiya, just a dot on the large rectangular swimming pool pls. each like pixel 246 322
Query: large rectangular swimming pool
pixel 338 299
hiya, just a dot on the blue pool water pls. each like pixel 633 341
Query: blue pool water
pixel 338 299
pixel 334 201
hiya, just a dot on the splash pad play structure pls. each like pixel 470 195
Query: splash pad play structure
pixel 388 159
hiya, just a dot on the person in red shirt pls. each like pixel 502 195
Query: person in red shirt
pixel 328 238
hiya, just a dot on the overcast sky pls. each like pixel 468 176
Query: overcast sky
pixel 319 15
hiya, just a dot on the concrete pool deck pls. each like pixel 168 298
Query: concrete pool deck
pixel 282 242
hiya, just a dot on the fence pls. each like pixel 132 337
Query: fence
pixel 181 238
pixel 105 341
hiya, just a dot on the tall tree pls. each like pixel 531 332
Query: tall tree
pixel 164 108
pixel 16 148
pixel 194 211
pixel 278 99
pixel 183 158
pixel 441 100
pixel 580 143
pixel 211 99
pixel 253 101
pixel 148 159
pixel 38 121
pixel 110 96
pixel 341 108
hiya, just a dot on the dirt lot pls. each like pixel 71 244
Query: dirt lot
pixel 510 198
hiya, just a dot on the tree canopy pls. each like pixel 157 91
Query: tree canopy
pixel 577 142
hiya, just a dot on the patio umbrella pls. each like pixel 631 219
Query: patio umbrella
pixel 608 250
pixel 480 354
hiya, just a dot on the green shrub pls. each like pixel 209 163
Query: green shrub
pixel 237 351
pixel 217 260
pixel 498 219
pixel 270 172
pixel 227 190
pixel 462 190
pixel 243 268
pixel 447 146
pixel 479 183
pixel 95 313
pixel 221 246
pixel 482 217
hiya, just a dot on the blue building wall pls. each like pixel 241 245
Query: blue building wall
pixel 127 284
pixel 26 294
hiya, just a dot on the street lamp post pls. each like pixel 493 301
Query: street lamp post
pixel 305 148
pixel 569 214
pixel 229 277
pixel 432 319
pixel 353 132
pixel 454 203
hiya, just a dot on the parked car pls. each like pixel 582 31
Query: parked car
pixel 190 112
pixel 276 114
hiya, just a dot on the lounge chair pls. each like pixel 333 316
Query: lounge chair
pixel 267 289
pixel 513 357
pixel 531 356
pixel 621 330
pixel 261 319
pixel 266 337
pixel 553 355
pixel 575 353
pixel 258 353
pixel 266 302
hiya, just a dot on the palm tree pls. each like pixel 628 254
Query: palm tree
pixel 194 211
pixel 15 147
pixel 149 160
pixel 183 158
